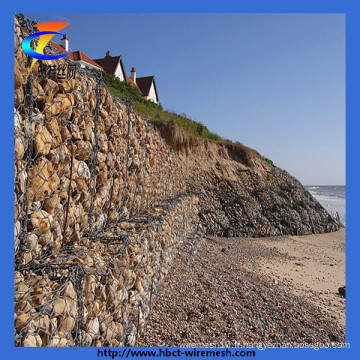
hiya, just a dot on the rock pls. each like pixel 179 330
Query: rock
pixel 17 232
pixel 60 106
pixel 103 113
pixel 52 202
pixel 22 292
pixel 42 140
pixel 138 286
pixel 342 291
pixel 44 325
pixel 81 171
pixel 65 134
pixel 32 340
pixel 103 327
pixel 95 308
pixel 69 291
pixel 22 320
pixel 130 277
pixel 38 91
pixel 41 222
pixel 66 324
pixel 43 180
pixel 109 335
pixel 75 132
pixel 103 143
pixel 18 97
pixel 50 88
pixel 59 306
pixel 40 291
pixel 32 241
pixel 19 79
pixel 119 331
pixel 131 337
pixel 36 205
pixel 45 239
pixel 83 150
pixel 19 278
pixel 58 341
pixel 17 122
pixel 23 307
pixel 22 178
pixel 53 127
pixel 92 327
pixel 87 339
pixel 67 85
pixel 19 148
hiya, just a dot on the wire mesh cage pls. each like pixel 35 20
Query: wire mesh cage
pixel 100 207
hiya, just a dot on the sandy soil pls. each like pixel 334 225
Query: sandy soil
pixel 312 266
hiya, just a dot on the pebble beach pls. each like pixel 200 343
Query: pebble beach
pixel 241 291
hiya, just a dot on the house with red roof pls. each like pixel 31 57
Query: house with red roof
pixel 77 56
pixel 147 86
pixel 114 65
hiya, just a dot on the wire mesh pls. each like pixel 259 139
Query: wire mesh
pixel 100 204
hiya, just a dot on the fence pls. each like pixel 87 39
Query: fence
pixel 100 208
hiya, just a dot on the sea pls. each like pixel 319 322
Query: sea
pixel 332 198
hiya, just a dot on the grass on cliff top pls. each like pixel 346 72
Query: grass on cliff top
pixel 155 112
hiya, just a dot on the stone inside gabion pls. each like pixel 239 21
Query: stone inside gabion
pixel 100 209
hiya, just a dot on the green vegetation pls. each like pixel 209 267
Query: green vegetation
pixel 156 112
pixel 268 161
pixel 269 177
pixel 274 167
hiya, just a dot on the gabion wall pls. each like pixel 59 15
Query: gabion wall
pixel 100 207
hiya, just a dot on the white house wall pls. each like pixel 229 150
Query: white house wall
pixel 152 93
pixel 119 73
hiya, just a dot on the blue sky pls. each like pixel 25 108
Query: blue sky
pixel 275 82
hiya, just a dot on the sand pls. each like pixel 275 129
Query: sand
pixel 313 266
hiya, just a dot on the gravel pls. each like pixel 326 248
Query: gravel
pixel 213 296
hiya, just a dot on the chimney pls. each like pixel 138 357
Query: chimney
pixel 133 75
pixel 108 54
pixel 65 43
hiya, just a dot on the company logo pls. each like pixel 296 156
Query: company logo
pixel 47 31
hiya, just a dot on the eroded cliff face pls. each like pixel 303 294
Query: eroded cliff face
pixel 241 194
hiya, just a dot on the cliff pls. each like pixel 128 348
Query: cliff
pixel 103 203
pixel 242 194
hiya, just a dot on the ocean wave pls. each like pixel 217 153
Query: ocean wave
pixel 313 188
pixel 332 203
pixel 330 199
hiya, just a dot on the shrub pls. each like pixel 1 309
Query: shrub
pixel 199 129
pixel 268 160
